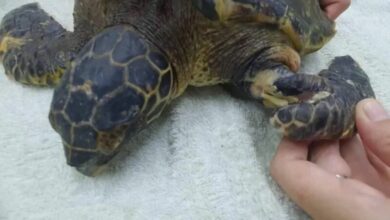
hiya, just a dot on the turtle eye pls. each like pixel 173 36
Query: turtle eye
pixel 207 8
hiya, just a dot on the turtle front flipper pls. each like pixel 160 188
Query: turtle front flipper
pixel 306 107
pixel 302 20
pixel 116 86
pixel 34 48
pixel 326 108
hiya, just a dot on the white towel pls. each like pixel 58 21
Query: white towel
pixel 206 158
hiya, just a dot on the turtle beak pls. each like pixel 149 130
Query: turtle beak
pixel 88 163
pixel 96 165
pixel 91 170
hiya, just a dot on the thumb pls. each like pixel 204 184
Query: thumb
pixel 373 123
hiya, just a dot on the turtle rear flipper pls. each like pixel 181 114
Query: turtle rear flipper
pixel 34 48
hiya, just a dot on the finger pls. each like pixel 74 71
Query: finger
pixel 382 168
pixel 293 150
pixel 318 192
pixel 293 172
pixel 383 173
pixel 373 123
pixel 356 157
pixel 333 8
pixel 326 154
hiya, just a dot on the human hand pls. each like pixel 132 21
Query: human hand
pixel 333 8
pixel 317 185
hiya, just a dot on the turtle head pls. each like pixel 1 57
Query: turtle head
pixel 74 115
pixel 113 88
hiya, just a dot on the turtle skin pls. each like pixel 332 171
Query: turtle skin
pixel 127 60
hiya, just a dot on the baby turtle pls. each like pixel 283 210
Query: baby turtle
pixel 126 60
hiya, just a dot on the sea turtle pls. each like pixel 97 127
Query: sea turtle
pixel 126 60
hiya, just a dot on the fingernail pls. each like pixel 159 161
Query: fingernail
pixel 375 111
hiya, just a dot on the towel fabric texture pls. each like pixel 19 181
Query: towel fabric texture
pixel 207 157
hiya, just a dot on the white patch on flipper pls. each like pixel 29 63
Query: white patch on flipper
pixel 318 97
pixel 350 82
